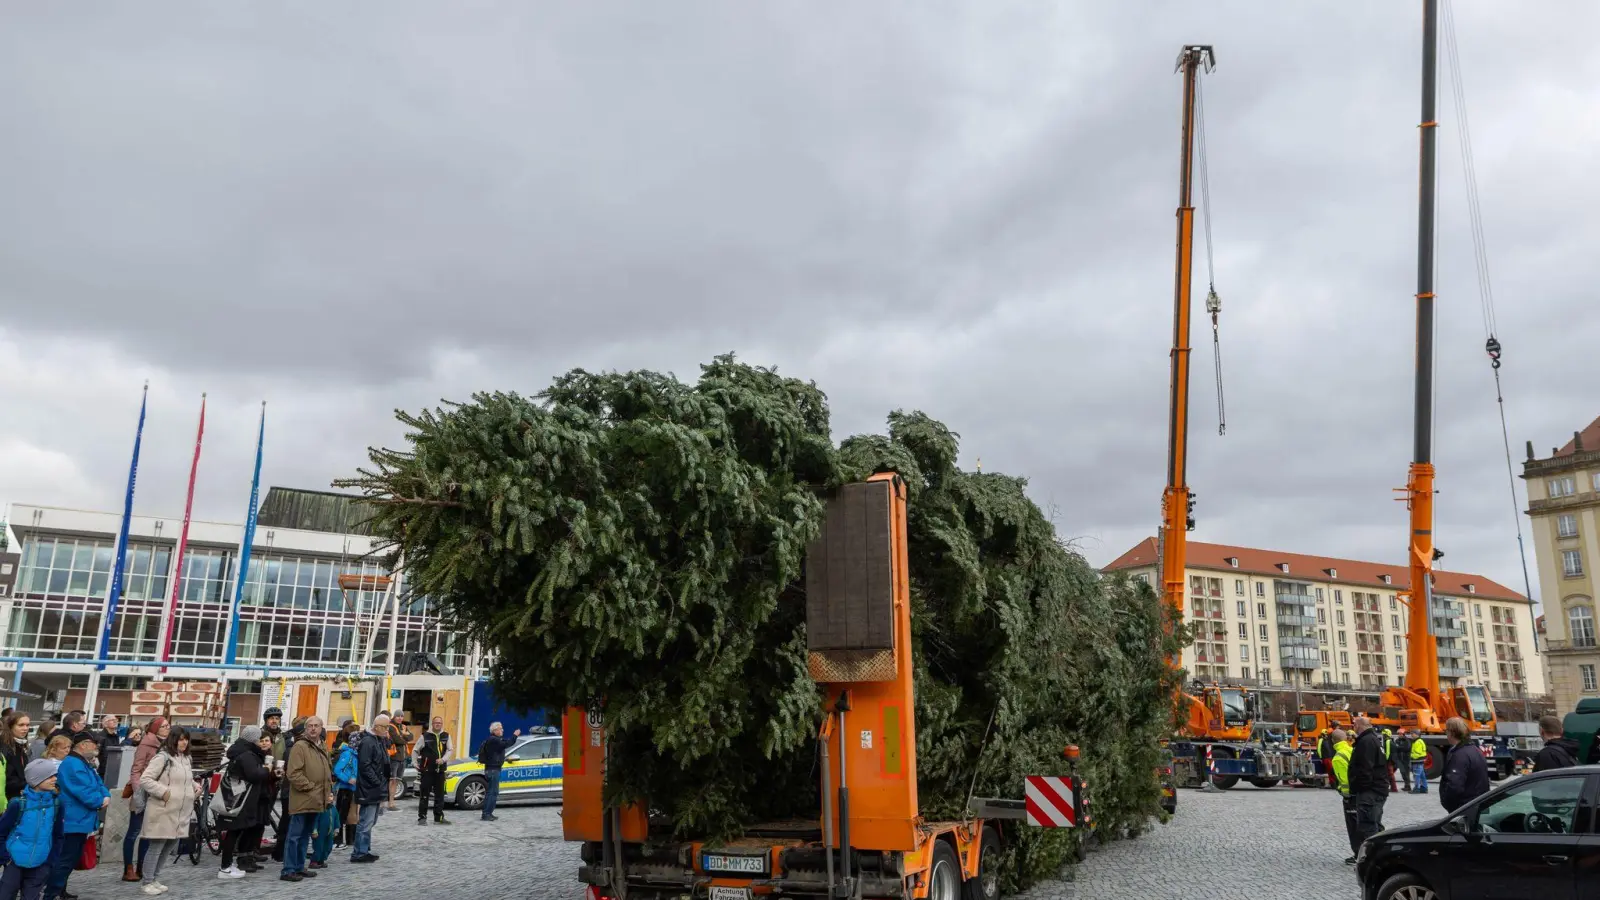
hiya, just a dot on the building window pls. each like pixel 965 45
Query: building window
pixel 1561 487
pixel 1244 671
pixel 1322 617
pixel 1238 587
pixel 1580 626
pixel 1261 589
pixel 1566 525
pixel 1322 636
pixel 1244 631
pixel 1392 603
pixel 1263 632
pixel 1244 654
pixel 1266 654
pixel 1483 649
pixel 1241 611
pixel 1324 657
pixel 1261 610
pixel 1480 629
pixel 1338 597
pixel 1339 616
pixel 1344 658
pixel 1589 685
pixel 5 568
pixel 1344 640
pixel 3 589
pixel 1395 622
pixel 1571 563
pixel 1485 669
pixel 1319 594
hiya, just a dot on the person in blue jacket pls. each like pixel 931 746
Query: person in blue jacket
pixel 83 795
pixel 30 831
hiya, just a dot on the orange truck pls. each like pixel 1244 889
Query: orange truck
pixel 869 839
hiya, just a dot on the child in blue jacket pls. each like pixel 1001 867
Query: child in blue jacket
pixel 83 795
pixel 30 832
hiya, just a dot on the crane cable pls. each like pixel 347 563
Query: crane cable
pixel 1213 302
pixel 1480 254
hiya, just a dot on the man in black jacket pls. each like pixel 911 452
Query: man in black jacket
pixel 1558 752
pixel 1369 778
pixel 493 757
pixel 433 757
pixel 372 786
pixel 1325 753
pixel 1466 773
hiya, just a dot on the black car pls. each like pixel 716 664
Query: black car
pixel 1535 838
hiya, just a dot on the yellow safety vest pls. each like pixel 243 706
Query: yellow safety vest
pixel 1419 750
pixel 1388 749
pixel 1341 766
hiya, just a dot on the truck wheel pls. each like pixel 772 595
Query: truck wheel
pixel 944 874
pixel 1223 782
pixel 986 886
pixel 1435 766
pixel 1264 782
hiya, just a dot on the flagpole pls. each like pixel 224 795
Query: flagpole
pixel 169 618
pixel 231 653
pixel 114 592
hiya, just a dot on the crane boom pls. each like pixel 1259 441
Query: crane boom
pixel 1422 655
pixel 1177 500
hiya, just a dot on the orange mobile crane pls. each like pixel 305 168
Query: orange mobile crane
pixel 1217 740
pixel 870 839
pixel 1420 703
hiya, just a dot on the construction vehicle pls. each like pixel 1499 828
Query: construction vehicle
pixel 869 839
pixel 1216 740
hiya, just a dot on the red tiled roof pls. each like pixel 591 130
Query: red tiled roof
pixel 1591 440
pixel 1314 568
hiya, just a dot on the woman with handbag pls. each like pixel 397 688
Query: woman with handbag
pixel 149 746
pixel 252 781
pixel 168 786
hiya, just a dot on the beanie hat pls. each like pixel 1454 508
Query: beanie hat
pixel 251 733
pixel 39 771
pixel 83 737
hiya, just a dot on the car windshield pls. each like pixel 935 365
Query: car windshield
pixel 1308 723
pixel 1233 711
pixel 1546 806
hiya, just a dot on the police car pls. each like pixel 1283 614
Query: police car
pixel 532 771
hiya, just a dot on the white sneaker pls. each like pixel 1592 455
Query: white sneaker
pixel 231 872
pixel 152 889
pixel 162 887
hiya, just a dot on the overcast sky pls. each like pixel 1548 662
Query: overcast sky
pixel 965 208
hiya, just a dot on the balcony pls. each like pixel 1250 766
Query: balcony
pixel 1448 670
pixel 1450 611
pixel 1448 631
pixel 1298 658
pixel 1302 621
pixel 1296 640
pixel 1448 652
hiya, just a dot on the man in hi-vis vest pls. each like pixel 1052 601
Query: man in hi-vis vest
pixel 432 755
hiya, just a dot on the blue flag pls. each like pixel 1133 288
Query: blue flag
pixel 115 595
pixel 249 541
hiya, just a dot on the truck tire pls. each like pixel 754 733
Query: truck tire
pixel 1435 766
pixel 986 886
pixel 1264 782
pixel 944 873
pixel 1223 782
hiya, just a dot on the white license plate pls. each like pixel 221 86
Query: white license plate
pixel 727 893
pixel 737 865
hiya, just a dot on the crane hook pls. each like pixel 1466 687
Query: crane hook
pixel 1493 349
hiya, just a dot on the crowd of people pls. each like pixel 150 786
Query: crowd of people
pixel 1363 768
pixel 329 794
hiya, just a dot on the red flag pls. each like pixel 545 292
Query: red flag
pixel 171 623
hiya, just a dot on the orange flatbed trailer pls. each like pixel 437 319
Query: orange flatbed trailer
pixel 869 840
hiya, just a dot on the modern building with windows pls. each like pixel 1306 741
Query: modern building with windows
pixel 1264 616
pixel 296 613
pixel 1564 504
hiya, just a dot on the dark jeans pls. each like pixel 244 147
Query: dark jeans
pixel 296 842
pixel 131 841
pixel 1351 832
pixel 230 844
pixel 1405 772
pixel 30 882
pixel 67 853
pixel 491 794
pixel 1369 813
pixel 431 784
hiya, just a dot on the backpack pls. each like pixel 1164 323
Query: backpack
pixel 344 770
pixel 229 801
pixel 33 837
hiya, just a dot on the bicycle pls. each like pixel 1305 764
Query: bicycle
pixel 202 829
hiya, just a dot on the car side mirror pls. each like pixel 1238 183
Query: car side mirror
pixel 1455 825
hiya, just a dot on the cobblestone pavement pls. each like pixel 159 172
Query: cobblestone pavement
pixel 1246 842
pixel 519 857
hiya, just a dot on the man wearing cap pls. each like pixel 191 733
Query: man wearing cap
pixel 83 795
pixel 35 818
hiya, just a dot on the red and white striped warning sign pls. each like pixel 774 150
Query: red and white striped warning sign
pixel 1049 802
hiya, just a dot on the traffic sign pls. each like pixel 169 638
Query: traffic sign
pixel 1051 802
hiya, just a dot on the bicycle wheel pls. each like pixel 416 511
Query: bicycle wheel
pixel 195 840
pixel 208 830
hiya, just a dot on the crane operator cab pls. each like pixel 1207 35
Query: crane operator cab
pixel 1472 704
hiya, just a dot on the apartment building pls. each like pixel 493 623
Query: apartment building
pixel 1311 620
pixel 1564 504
